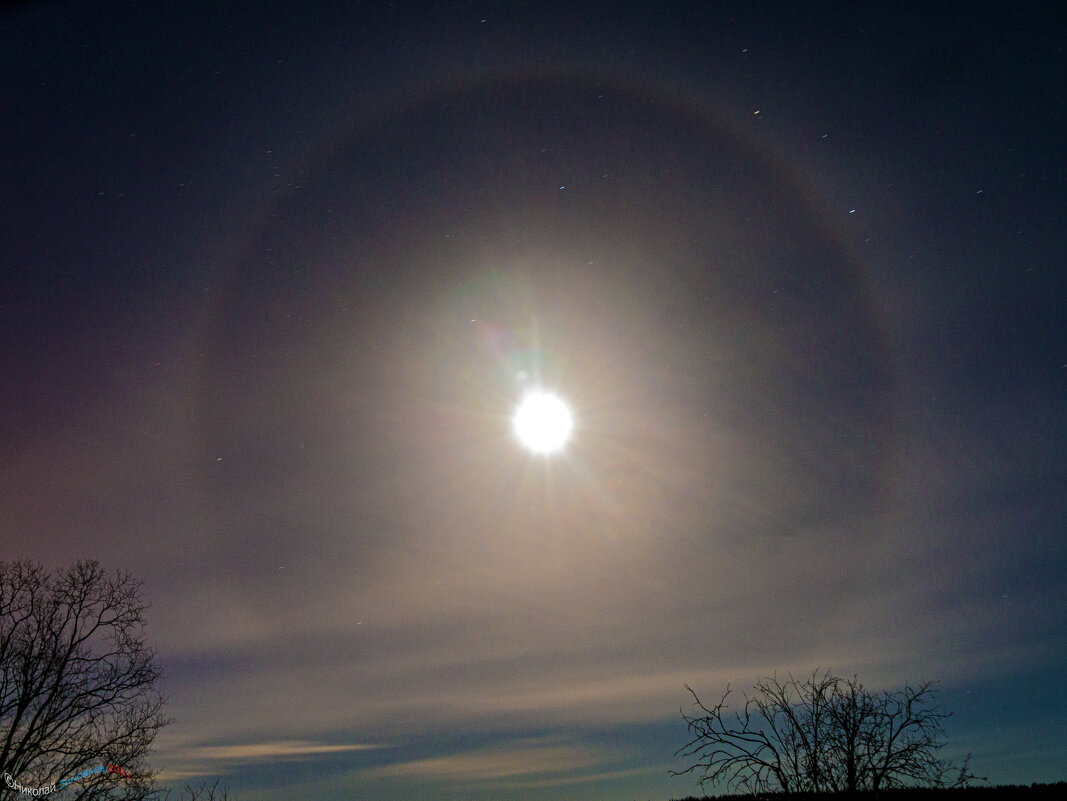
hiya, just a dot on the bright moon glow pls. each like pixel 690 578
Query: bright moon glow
pixel 543 423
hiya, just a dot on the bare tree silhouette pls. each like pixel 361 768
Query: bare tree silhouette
pixel 202 793
pixel 822 734
pixel 78 685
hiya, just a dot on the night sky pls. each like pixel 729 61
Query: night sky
pixel 273 279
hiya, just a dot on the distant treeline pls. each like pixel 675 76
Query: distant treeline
pixel 1004 792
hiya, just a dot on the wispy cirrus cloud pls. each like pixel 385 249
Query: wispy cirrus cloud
pixel 541 761
pixel 280 749
pixel 203 760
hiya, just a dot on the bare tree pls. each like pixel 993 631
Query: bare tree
pixel 903 745
pixel 821 734
pixel 202 793
pixel 78 685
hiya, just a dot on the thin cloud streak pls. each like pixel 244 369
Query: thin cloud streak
pixel 190 761
pixel 555 762
pixel 281 749
pixel 584 778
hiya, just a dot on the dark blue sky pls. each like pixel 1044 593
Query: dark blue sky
pixel 272 280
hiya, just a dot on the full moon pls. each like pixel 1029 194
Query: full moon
pixel 542 422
